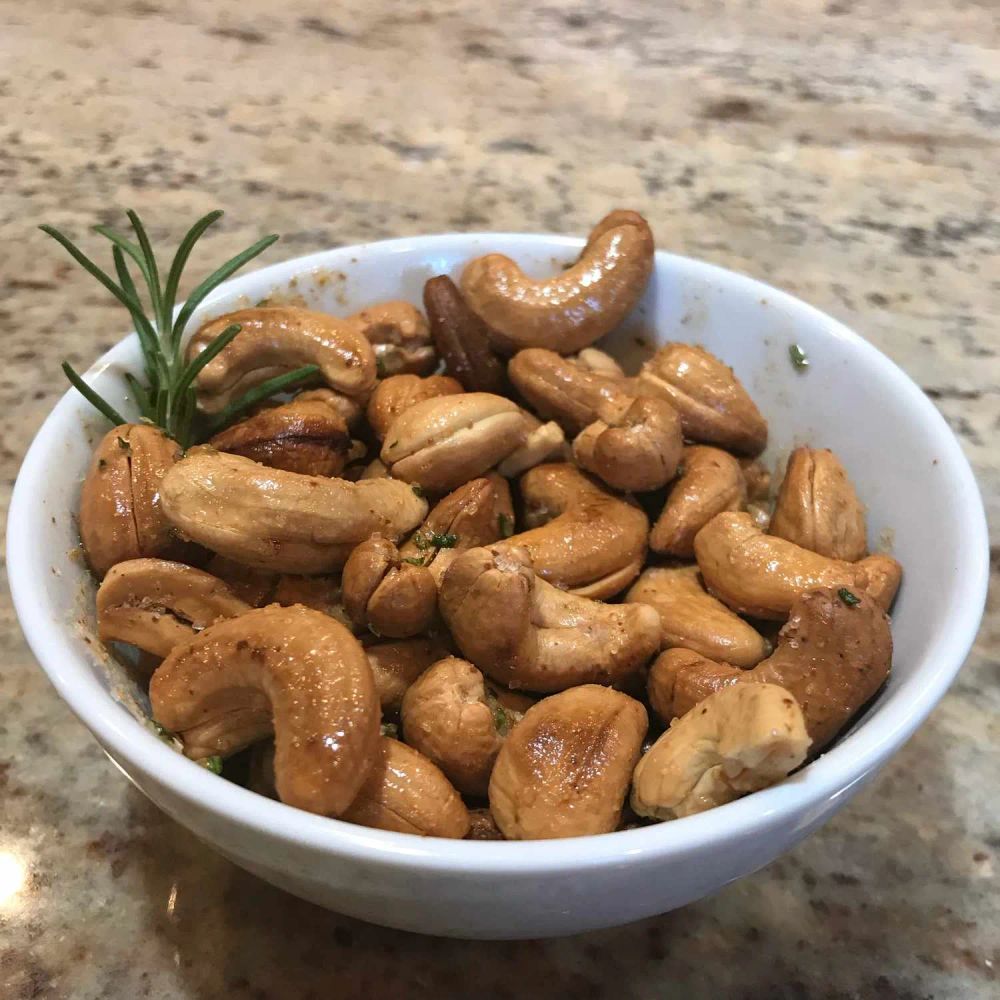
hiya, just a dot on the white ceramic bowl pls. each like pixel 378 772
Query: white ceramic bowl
pixel 908 468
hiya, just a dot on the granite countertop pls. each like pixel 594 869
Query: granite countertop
pixel 840 151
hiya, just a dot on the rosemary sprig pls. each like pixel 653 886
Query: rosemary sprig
pixel 168 397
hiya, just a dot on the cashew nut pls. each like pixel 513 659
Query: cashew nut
pixel 544 442
pixel 406 792
pixel 817 507
pixel 565 768
pixel 462 338
pixel 350 410
pixel 757 477
pixel 394 395
pixel 711 481
pixel 291 670
pixel 321 593
pixel 832 655
pixel 388 595
pixel 399 336
pixel 396 665
pixel 254 586
pixel 587 541
pixel 444 442
pixel 452 717
pixel 156 605
pixel 279 520
pixel 592 360
pixel 525 633
pixel 120 513
pixel 713 405
pixel 738 740
pixel 483 826
pixel 278 339
pixel 692 618
pixel 761 575
pixel 305 435
pixel 575 308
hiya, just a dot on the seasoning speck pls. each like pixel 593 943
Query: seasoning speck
pixel 798 357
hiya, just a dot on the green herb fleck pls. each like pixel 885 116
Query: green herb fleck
pixel 506 525
pixel 213 764
pixel 421 542
pixel 390 729
pixel 163 732
pixel 414 560
pixel 798 357
pixel 500 720
pixel 417 489
pixel 448 541
pixel 848 597
pixel 380 365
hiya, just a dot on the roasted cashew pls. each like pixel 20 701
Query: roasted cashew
pixel 761 575
pixel 817 507
pixel 444 442
pixel 713 405
pixel 386 594
pixel 279 520
pixel 738 740
pixel 478 513
pixel 544 442
pixel 350 410
pixel 278 339
pixel 306 435
pixel 711 481
pixel 396 665
pixel 525 633
pixel 156 605
pixel 291 670
pixel 406 792
pixel 832 655
pixel 565 768
pixel 587 541
pixel 321 593
pixel 456 720
pixel 758 479
pixel 692 618
pixel 254 586
pixel 593 360
pixel 394 395
pixel 399 336
pixel 462 338
pixel 483 826
pixel 573 309
pixel 120 513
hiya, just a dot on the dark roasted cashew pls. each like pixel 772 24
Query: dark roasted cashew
pixel 565 768
pixel 817 507
pixel 713 405
pixel 279 520
pixel 383 592
pixel 394 395
pixel 120 513
pixel 573 309
pixel 293 671
pixel 832 656
pixel 739 740
pixel 525 633
pixel 462 338
pixel 254 586
pixel 156 605
pixel 711 481
pixel 585 540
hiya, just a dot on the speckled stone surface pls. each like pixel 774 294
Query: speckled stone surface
pixel 841 151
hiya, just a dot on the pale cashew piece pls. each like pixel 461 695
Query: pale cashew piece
pixel 762 575
pixel 525 633
pixel 444 442
pixel 455 719
pixel 394 395
pixel 350 410
pixel 400 337
pixel 306 435
pixel 817 507
pixel 693 618
pixel 833 655
pixel 593 360
pixel 407 793
pixel 156 604
pixel 586 540
pixel 738 740
pixel 713 405
pixel 277 339
pixel 544 442
pixel 573 309
pixel 396 665
pixel 392 597
pixel 120 513
pixel 565 768
pixel 293 671
pixel 277 520
pixel 711 481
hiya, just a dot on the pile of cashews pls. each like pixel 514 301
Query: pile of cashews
pixel 425 594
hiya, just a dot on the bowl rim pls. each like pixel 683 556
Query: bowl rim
pixel 833 774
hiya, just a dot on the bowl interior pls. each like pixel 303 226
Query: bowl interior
pixel 923 504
